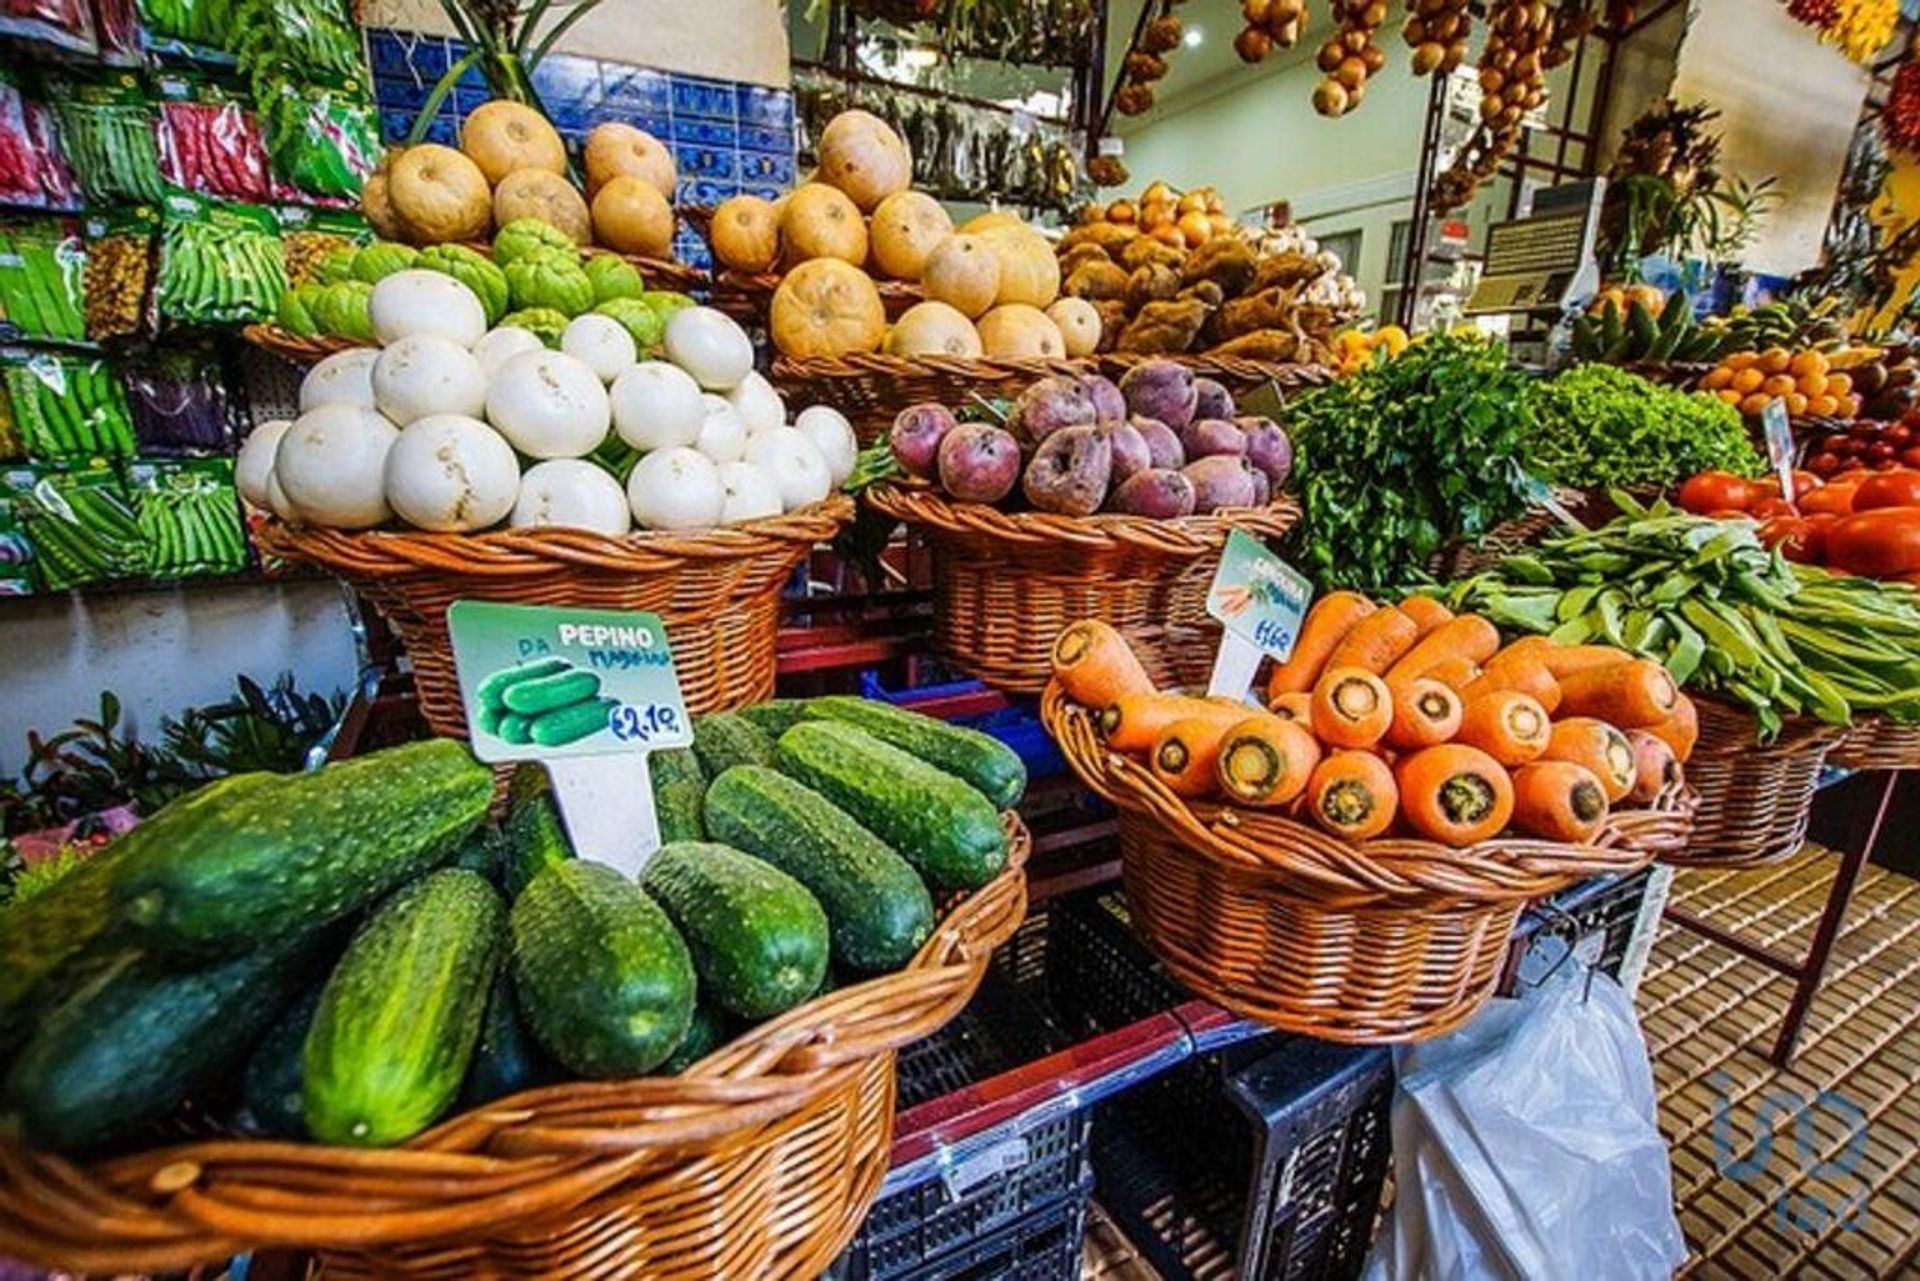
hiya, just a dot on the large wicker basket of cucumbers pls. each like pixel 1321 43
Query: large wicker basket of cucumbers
pixel 1349 864
pixel 341 1012
pixel 1093 500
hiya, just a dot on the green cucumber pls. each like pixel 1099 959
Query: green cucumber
pixel 758 938
pixel 483 852
pixel 505 1059
pixel 604 981
pixel 514 729
pixel 724 741
pixel 255 857
pixel 132 1042
pixel 271 1086
pixel 945 828
pixel 980 759
pixel 705 1034
pixel 397 1022
pixel 679 789
pixel 878 910
pixel 549 693
pixel 38 938
pixel 535 841
pixel 571 723
pixel 497 684
pixel 775 716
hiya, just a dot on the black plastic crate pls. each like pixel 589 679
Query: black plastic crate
pixel 1043 1247
pixel 1591 923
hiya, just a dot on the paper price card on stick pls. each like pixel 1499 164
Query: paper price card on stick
pixel 1260 601
pixel 589 694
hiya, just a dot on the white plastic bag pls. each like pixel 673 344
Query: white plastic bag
pixel 1525 1147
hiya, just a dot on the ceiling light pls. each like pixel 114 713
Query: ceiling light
pixel 1193 37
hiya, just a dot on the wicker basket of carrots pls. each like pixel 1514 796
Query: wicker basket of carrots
pixel 1349 863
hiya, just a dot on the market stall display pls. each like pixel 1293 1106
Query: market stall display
pixel 1093 499
pixel 628 1022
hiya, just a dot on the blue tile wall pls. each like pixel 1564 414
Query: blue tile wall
pixel 727 138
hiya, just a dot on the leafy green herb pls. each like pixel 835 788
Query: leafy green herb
pixel 1600 426
pixel 1407 456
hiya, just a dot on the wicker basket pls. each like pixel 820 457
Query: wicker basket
pixel 759 1161
pixel 1237 374
pixel 1754 799
pixel 1393 940
pixel 290 346
pixel 871 389
pixel 1877 743
pixel 1006 583
pixel 717 592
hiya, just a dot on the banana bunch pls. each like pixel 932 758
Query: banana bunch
pixel 1793 324
pixel 1636 334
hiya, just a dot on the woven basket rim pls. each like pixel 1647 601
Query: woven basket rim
pixel 1729 727
pixel 875 364
pixel 919 503
pixel 505 553
pixel 1877 742
pixel 484 1170
pixel 1302 861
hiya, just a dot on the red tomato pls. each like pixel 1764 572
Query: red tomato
pixel 1838 443
pixel 1911 455
pixel 1880 451
pixel 1798 540
pixel 1899 435
pixel 1716 491
pixel 1888 489
pixel 1883 543
pixel 1852 464
pixel 1830 500
pixel 1771 508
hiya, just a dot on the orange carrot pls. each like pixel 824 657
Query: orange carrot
pixel 1629 695
pixel 1294 707
pixel 1560 660
pixel 1527 675
pixel 1133 721
pixel 1426 612
pixel 1558 801
pixel 1468 637
pixel 1095 664
pixel 1455 673
pixel 1186 755
pixel 1454 794
pixel 1507 725
pixel 1326 625
pixel 1425 712
pixel 1266 760
pixel 1351 708
pixel 1352 794
pixel 1598 746
pixel 1681 730
pixel 1655 767
pixel 1376 641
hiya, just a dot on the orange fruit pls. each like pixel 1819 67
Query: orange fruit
pixel 1808 364
pixel 1740 359
pixel 1822 406
pixel 1748 380
pixel 1755 404
pixel 1716 378
pixel 1778 385
pixel 1796 404
pixel 1839 384
pixel 1774 360
pixel 1729 395
pixel 1810 384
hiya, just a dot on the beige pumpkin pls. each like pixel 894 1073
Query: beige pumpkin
pixel 933 329
pixel 502 137
pixel 963 273
pixel 906 227
pixel 439 195
pixel 1079 323
pixel 613 149
pixel 992 220
pixel 631 217
pixel 536 193
pixel 819 221
pixel 1019 332
pixel 1029 272
pixel 827 308
pixel 746 234
pixel 862 156
pixel 379 209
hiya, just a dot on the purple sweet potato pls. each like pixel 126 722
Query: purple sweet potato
pixel 1268 448
pixel 1048 406
pixel 979 463
pixel 1130 451
pixel 1160 389
pixel 1211 400
pixel 1158 492
pixel 1205 437
pixel 1223 480
pixel 1109 406
pixel 1262 489
pixel 916 436
pixel 1069 473
pixel 1163 442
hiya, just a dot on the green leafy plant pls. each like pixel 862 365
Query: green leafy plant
pixel 1598 426
pixel 269 729
pixel 504 39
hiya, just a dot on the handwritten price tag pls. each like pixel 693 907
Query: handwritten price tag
pixel 1260 600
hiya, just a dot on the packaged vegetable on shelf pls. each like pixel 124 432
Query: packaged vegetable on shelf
pixel 42 269
pixel 323 135
pixel 193 22
pixel 33 167
pixel 313 36
pixel 116 26
pixel 17 571
pixel 79 521
pixel 188 512
pixel 209 140
pixel 180 400
pixel 66 406
pixel 310 236
pixel 64 24
pixel 220 263
pixel 107 128
pixel 12 448
pixel 119 271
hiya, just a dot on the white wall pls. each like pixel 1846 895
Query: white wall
pixel 161 652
